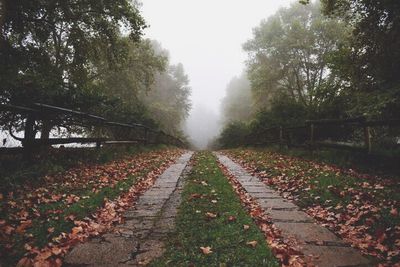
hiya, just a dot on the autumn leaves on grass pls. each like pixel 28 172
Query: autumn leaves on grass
pixel 362 209
pixel 212 228
pixel 39 225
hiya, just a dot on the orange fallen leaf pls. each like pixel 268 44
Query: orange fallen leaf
pixel 206 250
pixel 76 230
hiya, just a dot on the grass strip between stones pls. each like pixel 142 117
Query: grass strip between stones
pixel 212 228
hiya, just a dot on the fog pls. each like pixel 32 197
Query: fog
pixel 206 37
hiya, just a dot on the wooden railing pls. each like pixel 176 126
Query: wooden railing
pixel 40 112
pixel 284 136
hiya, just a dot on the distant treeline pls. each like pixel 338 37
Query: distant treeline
pixel 328 60
pixel 88 56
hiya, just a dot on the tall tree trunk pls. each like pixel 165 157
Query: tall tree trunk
pixel 46 129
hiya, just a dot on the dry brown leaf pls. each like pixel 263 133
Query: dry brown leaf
pixel 206 250
pixel 246 227
pixel 252 243
pixel 211 215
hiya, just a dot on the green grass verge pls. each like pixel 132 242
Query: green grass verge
pixel 227 238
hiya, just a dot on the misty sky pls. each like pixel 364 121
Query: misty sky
pixel 206 36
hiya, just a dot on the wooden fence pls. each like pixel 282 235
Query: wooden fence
pixel 308 134
pixel 40 112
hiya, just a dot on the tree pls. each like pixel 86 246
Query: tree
pixel 168 101
pixel 46 48
pixel 237 104
pixel 288 58
pixel 371 64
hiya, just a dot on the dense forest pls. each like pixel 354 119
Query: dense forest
pixel 88 56
pixel 328 60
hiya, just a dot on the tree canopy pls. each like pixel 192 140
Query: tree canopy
pixel 330 59
pixel 88 56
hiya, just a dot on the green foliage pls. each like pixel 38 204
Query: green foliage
pixel 371 62
pixel 288 57
pixel 168 100
pixel 87 56
pixel 237 104
pixel 234 134
pixel 46 46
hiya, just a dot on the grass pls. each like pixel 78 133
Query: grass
pixel 194 229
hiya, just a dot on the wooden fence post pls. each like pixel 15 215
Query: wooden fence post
pixel 312 136
pixel 29 136
pixel 367 140
pixel 145 136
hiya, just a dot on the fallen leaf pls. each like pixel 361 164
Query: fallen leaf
pixel 211 215
pixel 252 243
pixel 206 250
pixel 246 227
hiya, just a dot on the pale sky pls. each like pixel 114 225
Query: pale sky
pixel 206 36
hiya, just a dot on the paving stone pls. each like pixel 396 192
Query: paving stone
pixel 257 189
pixel 334 256
pixel 289 216
pixel 141 213
pixel 105 253
pixel 144 223
pixel 306 232
pixel 275 203
pixel 150 200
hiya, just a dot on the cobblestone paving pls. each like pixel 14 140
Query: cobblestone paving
pixel 141 238
pixel 316 241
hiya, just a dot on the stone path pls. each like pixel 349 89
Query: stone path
pixel 325 248
pixel 141 238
